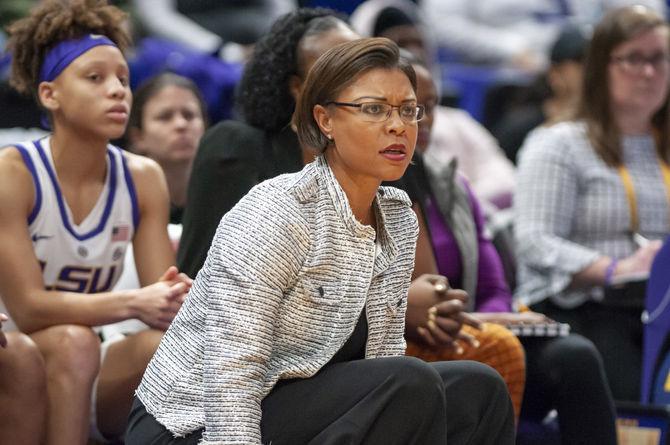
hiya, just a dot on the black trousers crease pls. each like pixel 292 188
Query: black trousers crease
pixel 397 400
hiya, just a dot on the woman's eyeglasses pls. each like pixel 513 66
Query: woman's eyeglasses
pixel 636 62
pixel 380 112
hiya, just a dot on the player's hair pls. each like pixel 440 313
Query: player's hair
pixel 52 22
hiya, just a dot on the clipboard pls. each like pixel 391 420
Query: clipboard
pixel 550 329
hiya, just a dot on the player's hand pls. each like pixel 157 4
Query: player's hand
pixel 158 304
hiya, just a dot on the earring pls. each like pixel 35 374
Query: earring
pixel 330 137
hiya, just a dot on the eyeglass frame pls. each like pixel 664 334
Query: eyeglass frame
pixel 420 110
pixel 658 61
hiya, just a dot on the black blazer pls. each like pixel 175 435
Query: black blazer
pixel 231 159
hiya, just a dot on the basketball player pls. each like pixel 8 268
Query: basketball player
pixel 69 206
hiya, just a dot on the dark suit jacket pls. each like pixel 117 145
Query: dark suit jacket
pixel 231 159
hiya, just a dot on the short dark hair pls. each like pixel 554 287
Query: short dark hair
pixel 570 45
pixel 334 71
pixel 153 86
pixel 263 96
pixel 390 17
pixel 617 27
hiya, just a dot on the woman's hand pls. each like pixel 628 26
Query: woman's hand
pixel 635 266
pixel 639 262
pixel 435 313
pixel 158 304
pixel 506 318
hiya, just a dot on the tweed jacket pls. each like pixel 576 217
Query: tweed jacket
pixel 289 271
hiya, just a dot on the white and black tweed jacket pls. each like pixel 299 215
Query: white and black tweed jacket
pixel 285 280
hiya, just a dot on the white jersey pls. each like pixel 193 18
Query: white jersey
pixel 86 257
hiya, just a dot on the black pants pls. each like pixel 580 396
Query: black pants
pixel 399 400
pixel 566 374
pixel 617 334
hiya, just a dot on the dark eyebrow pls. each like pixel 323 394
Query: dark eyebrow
pixel 370 97
pixel 382 99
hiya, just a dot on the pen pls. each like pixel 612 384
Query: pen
pixel 640 240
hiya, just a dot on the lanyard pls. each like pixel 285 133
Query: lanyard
pixel 630 191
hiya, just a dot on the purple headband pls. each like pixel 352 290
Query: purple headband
pixel 62 55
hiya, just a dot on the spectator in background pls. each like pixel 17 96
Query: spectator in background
pixel 565 74
pixel 455 133
pixel 550 99
pixel 22 389
pixel 166 122
pixel 216 27
pixel 562 373
pixel 512 33
pixel 234 156
pixel 399 20
pixel 591 190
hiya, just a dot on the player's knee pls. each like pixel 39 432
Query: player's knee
pixel 78 353
pixel 22 364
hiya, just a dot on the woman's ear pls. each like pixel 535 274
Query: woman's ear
pixel 47 95
pixel 323 119
pixel 295 86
